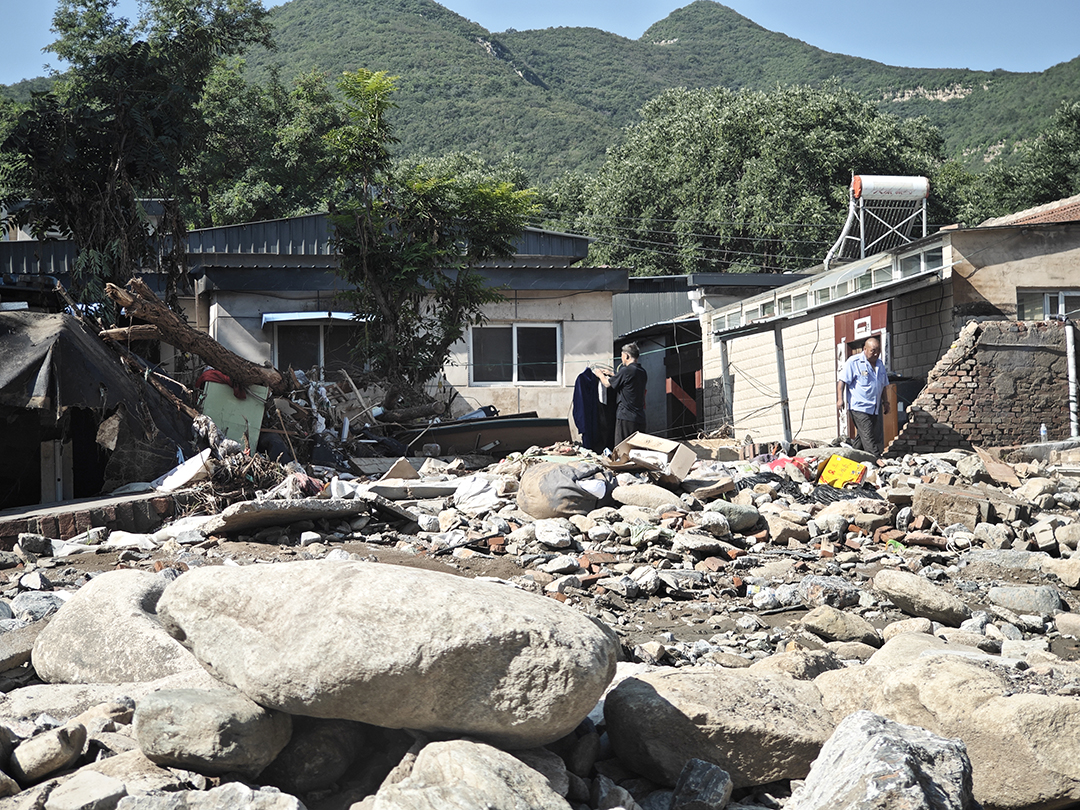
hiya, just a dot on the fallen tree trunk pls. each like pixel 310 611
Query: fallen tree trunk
pixel 405 414
pixel 139 300
pixel 126 334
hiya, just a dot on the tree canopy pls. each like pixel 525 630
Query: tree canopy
pixel 409 238
pixel 116 128
pixel 721 180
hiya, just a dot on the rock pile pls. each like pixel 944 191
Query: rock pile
pixel 747 639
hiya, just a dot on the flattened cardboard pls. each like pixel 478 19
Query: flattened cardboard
pixel 680 457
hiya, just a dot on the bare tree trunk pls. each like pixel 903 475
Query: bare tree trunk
pixel 140 301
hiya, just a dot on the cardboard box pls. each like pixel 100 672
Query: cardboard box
pixel 678 457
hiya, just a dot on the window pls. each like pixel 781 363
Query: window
pixel 515 353
pixel 305 346
pixel 798 302
pixel 785 305
pixel 1039 305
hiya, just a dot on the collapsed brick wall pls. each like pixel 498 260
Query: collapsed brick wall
pixel 994 386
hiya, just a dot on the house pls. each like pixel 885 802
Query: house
pixel 267 291
pixel 770 362
pixel 660 314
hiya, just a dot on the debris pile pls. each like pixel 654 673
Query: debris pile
pixel 561 630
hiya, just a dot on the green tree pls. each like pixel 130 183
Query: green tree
pixel 266 155
pixel 409 239
pixel 1047 169
pixel 117 128
pixel 718 180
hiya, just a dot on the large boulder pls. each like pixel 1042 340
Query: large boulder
pixel 873 762
pixel 465 774
pixel 108 632
pixel 395 647
pixel 1023 747
pixel 758 728
pixel 918 596
pixel 212 732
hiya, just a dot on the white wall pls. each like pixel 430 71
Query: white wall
pixel 586 319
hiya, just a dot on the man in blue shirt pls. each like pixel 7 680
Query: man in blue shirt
pixel 860 387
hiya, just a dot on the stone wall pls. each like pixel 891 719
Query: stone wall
pixel 994 386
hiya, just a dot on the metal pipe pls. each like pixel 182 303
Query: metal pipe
pixel 728 387
pixel 781 376
pixel 1070 350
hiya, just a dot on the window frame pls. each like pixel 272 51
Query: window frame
pixel 322 326
pixel 1058 295
pixel 514 326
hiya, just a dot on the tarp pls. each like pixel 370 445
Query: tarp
pixel 51 362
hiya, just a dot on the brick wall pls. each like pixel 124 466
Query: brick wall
pixel 994 386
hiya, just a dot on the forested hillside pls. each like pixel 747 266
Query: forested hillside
pixel 558 97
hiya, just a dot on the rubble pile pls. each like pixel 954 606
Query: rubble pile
pixel 561 630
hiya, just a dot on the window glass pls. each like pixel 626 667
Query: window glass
pixel 338 341
pixel 882 275
pixel 933 259
pixel 798 302
pixel 767 309
pixel 823 295
pixel 785 305
pixel 910 265
pixel 298 347
pixel 1072 305
pixel 1029 306
pixel 537 354
pixel 865 281
pixel 493 353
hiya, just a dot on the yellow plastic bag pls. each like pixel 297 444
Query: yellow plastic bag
pixel 840 471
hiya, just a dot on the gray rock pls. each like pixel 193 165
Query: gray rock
pixel 972 468
pixel 838 625
pixel 320 752
pixel 918 596
pixel 34 605
pixel 108 632
pixel 231 796
pixel 1040 600
pixel 407 648
pixel 713 522
pixel 836 592
pixel 802 665
pixel 5 610
pixel 702 786
pixel 212 732
pixel 464 774
pixel 1068 535
pixel 67 701
pixel 758 728
pixel 1068 624
pixel 550 765
pixel 740 518
pixel 649 496
pixel 872 762
pixel 87 790
pixel 553 533
pixel 1020 756
pixel 46 753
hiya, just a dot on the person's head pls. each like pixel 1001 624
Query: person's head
pixel 630 353
pixel 872 349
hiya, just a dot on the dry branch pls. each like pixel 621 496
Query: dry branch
pixel 139 300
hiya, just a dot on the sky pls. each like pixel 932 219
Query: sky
pixel 975 34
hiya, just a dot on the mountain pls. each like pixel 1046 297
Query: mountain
pixel 558 97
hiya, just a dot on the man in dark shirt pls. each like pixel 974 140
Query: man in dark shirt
pixel 629 387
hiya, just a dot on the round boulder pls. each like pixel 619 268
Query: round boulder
pixel 108 632
pixel 395 647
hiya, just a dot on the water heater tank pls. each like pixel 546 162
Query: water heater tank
pixel 881 187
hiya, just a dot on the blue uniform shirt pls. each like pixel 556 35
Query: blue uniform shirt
pixel 864 383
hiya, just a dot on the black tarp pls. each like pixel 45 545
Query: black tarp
pixel 57 379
